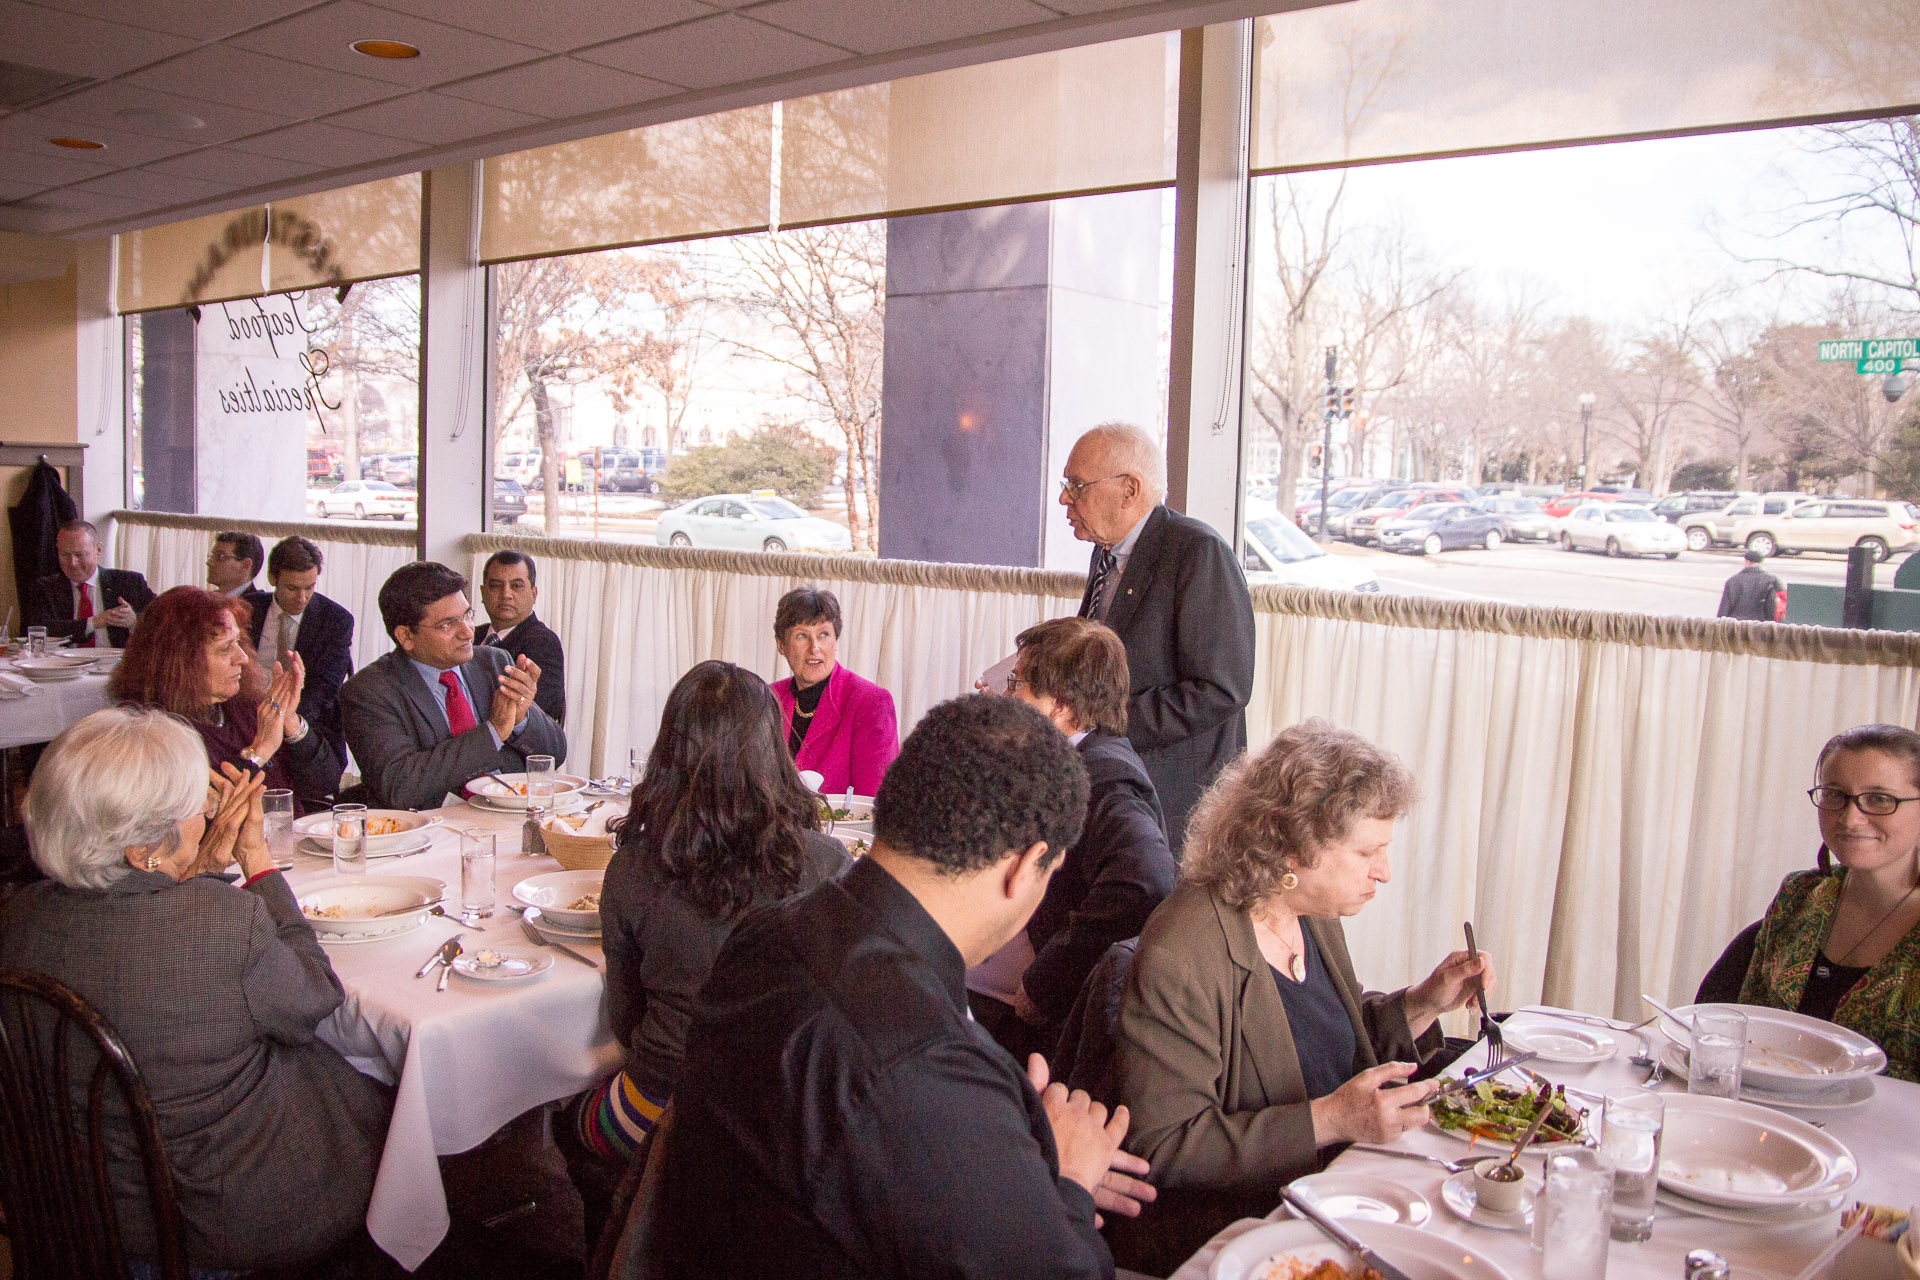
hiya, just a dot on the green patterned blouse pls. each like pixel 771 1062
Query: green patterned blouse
pixel 1884 1005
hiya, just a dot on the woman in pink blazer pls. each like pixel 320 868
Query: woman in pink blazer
pixel 839 725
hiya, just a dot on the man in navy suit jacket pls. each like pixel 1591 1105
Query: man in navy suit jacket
pixel 82 600
pixel 320 631
pixel 509 588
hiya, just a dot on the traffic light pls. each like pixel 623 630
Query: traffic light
pixel 1313 456
pixel 1346 402
pixel 1333 401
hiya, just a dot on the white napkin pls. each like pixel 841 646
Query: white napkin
pixel 595 825
pixel 812 779
pixel 16 686
pixel 994 679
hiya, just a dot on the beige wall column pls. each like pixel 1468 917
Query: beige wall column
pixel 454 462
pixel 100 392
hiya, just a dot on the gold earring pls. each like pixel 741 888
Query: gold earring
pixel 1289 882
pixel 153 861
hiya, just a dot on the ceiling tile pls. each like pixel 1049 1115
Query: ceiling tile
pixel 242 78
pixel 877 26
pixel 324 146
pixel 434 118
pixel 102 105
pixel 11 189
pixel 49 166
pixel 154 188
pixel 322 38
pixel 709 52
pixel 199 19
pixel 560 88
pixel 79 45
pixel 236 169
pixel 1096 6
pixel 29 131
pixel 554 25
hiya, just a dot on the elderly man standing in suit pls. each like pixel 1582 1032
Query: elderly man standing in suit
pixel 1172 589
pixel 82 600
pixel 295 618
pixel 509 588
pixel 436 713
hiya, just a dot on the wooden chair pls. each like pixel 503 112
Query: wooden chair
pixel 56 1049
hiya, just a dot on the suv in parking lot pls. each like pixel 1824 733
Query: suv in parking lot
pixel 1676 506
pixel 1832 524
pixel 1715 528
pixel 509 500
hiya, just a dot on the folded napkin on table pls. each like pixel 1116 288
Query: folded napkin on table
pixel 12 686
pixel 595 824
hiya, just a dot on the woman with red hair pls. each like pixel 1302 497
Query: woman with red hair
pixel 189 655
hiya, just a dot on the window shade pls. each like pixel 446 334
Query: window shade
pixel 1378 79
pixel 209 259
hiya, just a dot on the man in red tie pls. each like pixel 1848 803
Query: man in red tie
pixel 437 712
pixel 84 600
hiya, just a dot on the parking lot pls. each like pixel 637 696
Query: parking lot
pixel 1533 574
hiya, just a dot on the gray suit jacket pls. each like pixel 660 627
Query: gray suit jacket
pixel 273 1137
pixel 399 736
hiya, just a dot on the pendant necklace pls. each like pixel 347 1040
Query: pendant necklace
pixel 1296 960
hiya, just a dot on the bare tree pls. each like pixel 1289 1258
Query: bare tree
pixel 370 333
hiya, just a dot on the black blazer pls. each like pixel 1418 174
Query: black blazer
pixel 1183 612
pixel 49 603
pixel 399 736
pixel 1111 880
pixel 541 646
pixel 325 645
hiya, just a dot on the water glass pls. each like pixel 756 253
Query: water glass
pixel 276 809
pixel 1632 1121
pixel 1719 1049
pixel 476 874
pixel 36 642
pixel 1574 1217
pixel 350 839
pixel 539 786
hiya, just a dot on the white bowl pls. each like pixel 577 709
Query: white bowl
pixel 1422 1255
pixel 507 791
pixel 554 891
pixel 859 810
pixel 359 900
pixel 1789 1052
pixel 1746 1156
pixel 50 670
pixel 409 827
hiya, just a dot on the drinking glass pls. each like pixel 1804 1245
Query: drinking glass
pixel 1572 1221
pixel 539 787
pixel 476 875
pixel 350 839
pixel 36 642
pixel 1719 1049
pixel 1632 1121
pixel 276 808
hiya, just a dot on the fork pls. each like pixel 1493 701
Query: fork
pixel 1496 1043
pixel 1657 1069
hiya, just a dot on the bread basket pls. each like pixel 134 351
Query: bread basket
pixel 573 851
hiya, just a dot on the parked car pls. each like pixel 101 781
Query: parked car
pixel 1361 525
pixel 1365 496
pixel 1340 503
pixel 1676 506
pixel 1526 520
pixel 365 499
pixel 1715 528
pixel 1562 507
pixel 629 475
pixel 1277 553
pixel 509 501
pixel 1434 527
pixel 1831 524
pixel 1620 529
pixel 749 522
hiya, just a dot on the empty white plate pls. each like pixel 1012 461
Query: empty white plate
pixel 1748 1157
pixel 1788 1052
pixel 1555 1041
pixel 1364 1196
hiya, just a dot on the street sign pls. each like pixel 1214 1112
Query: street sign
pixel 1879 364
pixel 1860 350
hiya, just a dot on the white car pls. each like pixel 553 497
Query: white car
pixel 1277 553
pixel 749 522
pixel 1831 524
pixel 365 499
pixel 1620 529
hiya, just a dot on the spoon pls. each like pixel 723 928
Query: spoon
pixel 1543 1108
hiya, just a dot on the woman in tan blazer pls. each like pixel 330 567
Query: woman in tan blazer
pixel 1246 1047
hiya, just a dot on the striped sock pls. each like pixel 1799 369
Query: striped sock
pixel 616 1118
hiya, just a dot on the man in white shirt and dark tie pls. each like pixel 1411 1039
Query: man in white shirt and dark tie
pixel 84 600
pixel 233 563
pixel 296 618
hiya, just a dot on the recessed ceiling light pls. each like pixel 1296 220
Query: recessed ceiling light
pixel 78 144
pixel 386 49
pixel 153 118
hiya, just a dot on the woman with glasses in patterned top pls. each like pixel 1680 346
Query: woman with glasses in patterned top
pixel 1843 942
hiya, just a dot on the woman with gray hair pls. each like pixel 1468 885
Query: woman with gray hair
pixel 216 990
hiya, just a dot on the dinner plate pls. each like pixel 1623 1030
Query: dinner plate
pixel 1363 1196
pixel 411 833
pixel 495 793
pixel 1263 1252
pixel 1843 1096
pixel 546 925
pixel 1794 1216
pixel 1788 1052
pixel 49 670
pixel 1462 1199
pixel 1748 1157
pixel 320 847
pixel 1552 1040
pixel 857 842
pixel 859 809
pixel 517 964
pixel 554 890
pixel 361 898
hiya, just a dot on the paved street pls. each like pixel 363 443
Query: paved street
pixel 1536 575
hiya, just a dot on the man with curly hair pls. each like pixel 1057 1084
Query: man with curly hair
pixel 839 1113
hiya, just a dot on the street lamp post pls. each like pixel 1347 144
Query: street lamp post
pixel 1587 399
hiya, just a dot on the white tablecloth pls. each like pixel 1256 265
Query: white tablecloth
pixel 1884 1136
pixel 466 1060
pixel 42 714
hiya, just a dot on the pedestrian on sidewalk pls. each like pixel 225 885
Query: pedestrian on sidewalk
pixel 1752 594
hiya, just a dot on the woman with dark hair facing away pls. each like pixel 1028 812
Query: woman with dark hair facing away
pixel 189 655
pixel 837 724
pixel 1843 942
pixel 720 824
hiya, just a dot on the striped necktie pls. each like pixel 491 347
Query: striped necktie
pixel 1103 562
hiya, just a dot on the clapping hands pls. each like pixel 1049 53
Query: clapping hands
pixel 519 682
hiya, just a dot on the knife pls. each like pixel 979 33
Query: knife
pixel 1340 1236
pixel 400 911
pixel 440 955
pixel 1473 1078
pixel 449 950
pixel 540 939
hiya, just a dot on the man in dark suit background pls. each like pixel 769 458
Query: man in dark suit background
pixel 1172 588
pixel 293 616
pixel 83 599
pixel 1751 593
pixel 436 713
pixel 509 588
pixel 234 562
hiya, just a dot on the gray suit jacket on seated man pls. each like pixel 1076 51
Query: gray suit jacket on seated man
pixel 400 710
